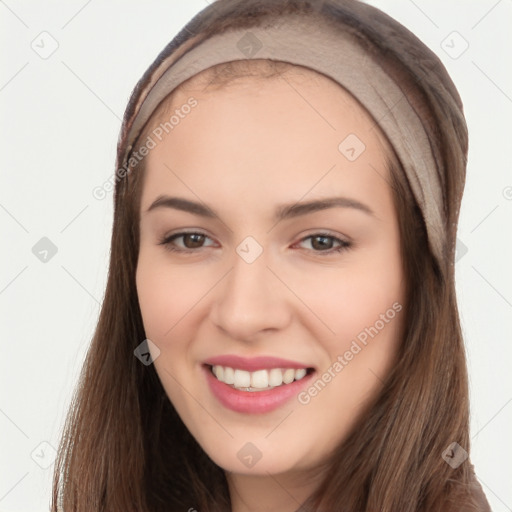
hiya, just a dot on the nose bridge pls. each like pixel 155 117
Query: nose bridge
pixel 249 300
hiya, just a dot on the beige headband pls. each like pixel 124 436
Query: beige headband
pixel 320 46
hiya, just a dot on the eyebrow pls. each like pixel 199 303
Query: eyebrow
pixel 281 213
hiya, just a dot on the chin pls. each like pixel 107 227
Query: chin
pixel 257 458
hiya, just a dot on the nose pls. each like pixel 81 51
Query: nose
pixel 250 301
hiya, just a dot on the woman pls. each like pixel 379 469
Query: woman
pixel 280 330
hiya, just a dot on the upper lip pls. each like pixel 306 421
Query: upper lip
pixel 254 363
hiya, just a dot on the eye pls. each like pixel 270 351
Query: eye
pixel 326 243
pixel 192 241
pixel 186 241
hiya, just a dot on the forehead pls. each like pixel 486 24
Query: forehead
pixel 281 130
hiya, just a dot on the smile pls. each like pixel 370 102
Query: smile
pixel 255 385
pixel 260 380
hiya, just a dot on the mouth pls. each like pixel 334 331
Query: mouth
pixel 257 385
pixel 259 380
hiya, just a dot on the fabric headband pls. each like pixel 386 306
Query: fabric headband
pixel 328 50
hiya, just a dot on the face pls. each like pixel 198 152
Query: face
pixel 269 274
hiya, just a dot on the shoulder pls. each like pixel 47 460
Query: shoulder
pixel 471 499
pixel 478 493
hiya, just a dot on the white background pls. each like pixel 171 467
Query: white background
pixel 60 121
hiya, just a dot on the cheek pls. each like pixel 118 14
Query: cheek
pixel 168 300
pixel 360 307
pixel 348 302
pixel 363 309
pixel 165 297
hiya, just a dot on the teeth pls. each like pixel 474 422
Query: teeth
pixel 242 379
pixel 275 377
pixel 229 375
pixel 300 373
pixel 219 372
pixel 258 380
pixel 288 376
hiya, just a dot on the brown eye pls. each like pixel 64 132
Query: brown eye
pixel 193 240
pixel 183 242
pixel 321 243
pixel 324 243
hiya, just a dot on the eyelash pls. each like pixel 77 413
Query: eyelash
pixel 343 244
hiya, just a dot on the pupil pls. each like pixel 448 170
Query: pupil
pixel 194 240
pixel 325 242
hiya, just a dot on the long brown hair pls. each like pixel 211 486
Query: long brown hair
pixel 124 447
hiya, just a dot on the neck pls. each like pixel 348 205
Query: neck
pixel 263 493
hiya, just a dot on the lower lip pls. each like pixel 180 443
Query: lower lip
pixel 254 402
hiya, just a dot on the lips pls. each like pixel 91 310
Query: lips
pixel 254 363
pixel 255 385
